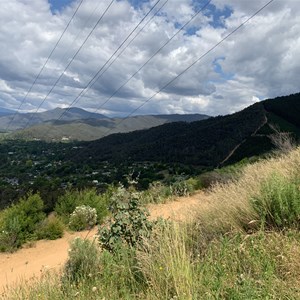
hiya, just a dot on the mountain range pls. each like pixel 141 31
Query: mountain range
pixel 77 124
pixel 207 143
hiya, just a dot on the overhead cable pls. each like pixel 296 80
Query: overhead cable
pixel 44 65
pixel 72 59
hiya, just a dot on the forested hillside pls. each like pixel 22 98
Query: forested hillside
pixel 204 143
pixel 156 153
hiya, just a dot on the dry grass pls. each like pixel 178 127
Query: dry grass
pixel 210 258
pixel 166 264
pixel 229 203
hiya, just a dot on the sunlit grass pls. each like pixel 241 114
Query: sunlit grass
pixel 223 253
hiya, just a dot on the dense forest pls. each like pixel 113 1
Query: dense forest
pixel 204 143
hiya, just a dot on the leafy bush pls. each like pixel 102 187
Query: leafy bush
pixel 128 226
pixel 278 204
pixel 83 262
pixel 51 228
pixel 19 221
pixel 83 217
pixel 67 203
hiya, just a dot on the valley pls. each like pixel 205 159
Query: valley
pixel 162 153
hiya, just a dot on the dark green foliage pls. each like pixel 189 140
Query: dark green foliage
pixel 286 107
pixel 129 225
pixel 19 222
pixel 278 204
pixel 253 146
pixel 203 143
pixel 68 202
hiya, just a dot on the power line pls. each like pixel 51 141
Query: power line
pixel 44 65
pixel 72 59
pixel 191 65
pixel 153 55
pixel 79 32
pixel 98 75
pixel 94 79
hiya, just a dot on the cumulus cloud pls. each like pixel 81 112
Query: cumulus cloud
pixel 257 62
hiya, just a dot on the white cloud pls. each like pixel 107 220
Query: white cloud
pixel 258 61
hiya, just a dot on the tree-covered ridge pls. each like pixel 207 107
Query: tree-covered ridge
pixel 156 154
pixel 204 143
pixel 286 107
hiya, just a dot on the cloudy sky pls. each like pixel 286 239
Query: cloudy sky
pixel 261 60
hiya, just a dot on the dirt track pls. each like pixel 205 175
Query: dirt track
pixel 44 255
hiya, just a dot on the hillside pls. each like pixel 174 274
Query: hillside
pixel 156 154
pixel 22 120
pixel 204 143
pixel 226 246
pixel 85 127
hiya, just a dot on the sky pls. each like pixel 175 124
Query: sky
pixel 259 61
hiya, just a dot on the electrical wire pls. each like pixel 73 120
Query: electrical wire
pixel 93 81
pixel 44 65
pixel 191 65
pixel 99 74
pixel 153 55
pixel 70 62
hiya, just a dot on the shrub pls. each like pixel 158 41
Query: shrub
pixel 179 189
pixel 83 262
pixel 278 204
pixel 83 217
pixel 19 221
pixel 51 228
pixel 129 225
pixel 67 203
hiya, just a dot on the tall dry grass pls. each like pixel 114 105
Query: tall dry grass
pixel 230 206
pixel 210 257
pixel 166 263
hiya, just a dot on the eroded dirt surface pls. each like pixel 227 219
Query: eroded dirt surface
pixel 45 255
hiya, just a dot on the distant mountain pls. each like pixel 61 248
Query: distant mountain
pixel 5 112
pixel 206 143
pixel 90 128
pixel 23 120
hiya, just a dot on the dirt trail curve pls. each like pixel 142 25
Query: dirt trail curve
pixel 28 263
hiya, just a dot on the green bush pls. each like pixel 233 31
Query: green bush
pixel 9 237
pixel 83 217
pixel 179 189
pixel 19 221
pixel 83 262
pixel 278 204
pixel 129 225
pixel 51 228
pixel 67 203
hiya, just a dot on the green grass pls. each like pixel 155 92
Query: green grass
pixel 218 255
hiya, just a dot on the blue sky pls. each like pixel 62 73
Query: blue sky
pixel 59 4
pixel 259 61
